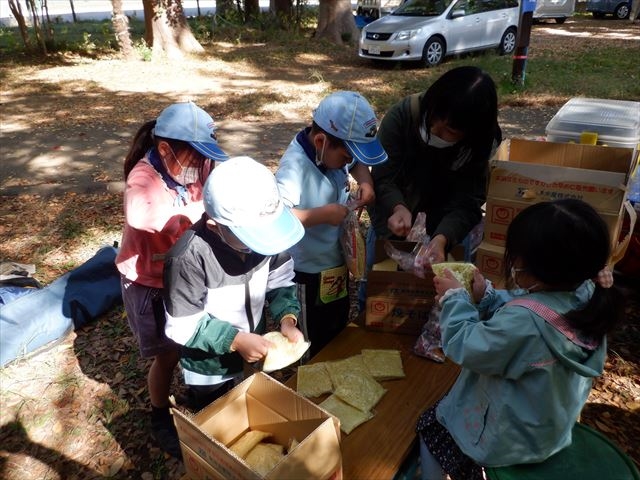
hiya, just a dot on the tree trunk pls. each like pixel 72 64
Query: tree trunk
pixel 336 22
pixel 73 11
pixel 166 29
pixel 16 10
pixel 36 25
pixel 120 24
pixel 251 9
pixel 224 8
pixel 283 9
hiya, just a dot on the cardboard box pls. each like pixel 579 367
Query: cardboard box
pixel 397 301
pixel 528 171
pixel 260 403
pixel 500 213
pixel 489 260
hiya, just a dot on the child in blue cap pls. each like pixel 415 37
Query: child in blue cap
pixel 165 170
pixel 313 177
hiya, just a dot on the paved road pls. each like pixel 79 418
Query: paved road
pixel 92 159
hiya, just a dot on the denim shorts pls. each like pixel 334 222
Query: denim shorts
pixel 145 321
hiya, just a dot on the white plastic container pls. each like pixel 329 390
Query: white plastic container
pixel 617 122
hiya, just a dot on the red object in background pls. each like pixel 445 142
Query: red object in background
pixel 629 266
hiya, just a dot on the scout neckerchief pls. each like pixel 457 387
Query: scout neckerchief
pixel 158 165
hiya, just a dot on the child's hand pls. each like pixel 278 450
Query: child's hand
pixel 445 282
pixel 478 286
pixel 250 346
pixel 335 213
pixel 366 195
pixel 288 329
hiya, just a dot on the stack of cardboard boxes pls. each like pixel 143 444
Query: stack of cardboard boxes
pixel 528 171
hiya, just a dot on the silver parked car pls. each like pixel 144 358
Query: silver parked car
pixel 429 30
pixel 620 9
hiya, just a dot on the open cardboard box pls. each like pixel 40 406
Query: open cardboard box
pixel 525 172
pixel 397 301
pixel 260 403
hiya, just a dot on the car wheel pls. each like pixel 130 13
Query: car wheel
pixel 561 20
pixel 622 11
pixel 433 52
pixel 508 42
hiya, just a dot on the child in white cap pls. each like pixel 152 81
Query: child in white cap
pixel 313 177
pixel 164 170
pixel 224 270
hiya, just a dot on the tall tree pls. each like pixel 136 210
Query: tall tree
pixel 120 24
pixel 166 29
pixel 336 22
pixel 16 10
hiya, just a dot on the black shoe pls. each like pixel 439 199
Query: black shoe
pixel 165 435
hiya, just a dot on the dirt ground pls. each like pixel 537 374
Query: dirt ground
pixel 79 410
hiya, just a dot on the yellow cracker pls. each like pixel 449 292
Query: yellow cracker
pixel 383 364
pixel 351 364
pixel 313 380
pixel 247 441
pixel 461 270
pixel 264 456
pixel 360 391
pixel 350 417
pixel 283 352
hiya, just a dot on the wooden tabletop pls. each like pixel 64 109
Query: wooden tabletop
pixel 377 448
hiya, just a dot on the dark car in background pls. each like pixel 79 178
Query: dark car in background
pixel 618 8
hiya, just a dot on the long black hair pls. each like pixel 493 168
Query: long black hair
pixel 563 243
pixel 466 99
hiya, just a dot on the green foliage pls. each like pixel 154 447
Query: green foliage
pixel 144 52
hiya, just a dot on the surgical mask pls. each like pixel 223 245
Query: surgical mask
pixel 187 175
pixel 437 142
pixel 320 157
pixel 520 290
pixel 243 249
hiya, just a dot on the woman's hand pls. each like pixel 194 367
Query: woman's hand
pixel 399 223
pixel 434 252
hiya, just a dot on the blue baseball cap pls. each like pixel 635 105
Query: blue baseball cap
pixel 349 117
pixel 243 195
pixel 187 122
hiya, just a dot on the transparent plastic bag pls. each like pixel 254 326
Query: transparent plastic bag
pixel 353 245
pixel 413 261
pixel 429 343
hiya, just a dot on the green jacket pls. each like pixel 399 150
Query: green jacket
pixel 449 185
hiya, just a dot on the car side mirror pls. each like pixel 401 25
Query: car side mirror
pixel 458 13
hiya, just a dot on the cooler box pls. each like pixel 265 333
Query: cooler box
pixel 616 122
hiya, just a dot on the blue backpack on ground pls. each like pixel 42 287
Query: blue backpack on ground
pixel 44 315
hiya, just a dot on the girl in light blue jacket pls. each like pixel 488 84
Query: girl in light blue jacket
pixel 528 354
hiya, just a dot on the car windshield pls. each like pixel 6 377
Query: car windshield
pixel 422 8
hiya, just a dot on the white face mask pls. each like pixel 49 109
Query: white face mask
pixel 187 175
pixel 320 157
pixel 438 142
pixel 520 290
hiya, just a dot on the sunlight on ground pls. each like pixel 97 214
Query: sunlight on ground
pixel 615 35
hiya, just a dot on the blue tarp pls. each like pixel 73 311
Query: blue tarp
pixel 33 320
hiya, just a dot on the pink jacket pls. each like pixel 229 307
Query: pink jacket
pixel 152 223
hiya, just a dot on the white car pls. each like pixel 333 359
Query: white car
pixel 429 30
